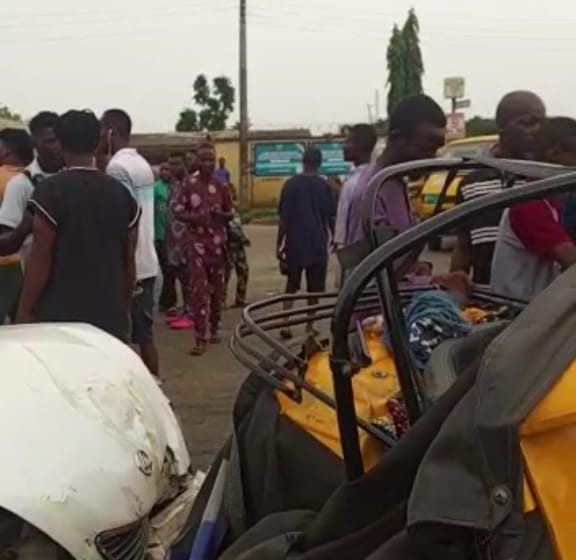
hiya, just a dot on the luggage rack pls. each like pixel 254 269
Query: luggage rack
pixel 282 365
pixel 256 344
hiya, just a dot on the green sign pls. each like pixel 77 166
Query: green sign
pixel 277 159
pixel 333 158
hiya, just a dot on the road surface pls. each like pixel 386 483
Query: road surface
pixel 203 389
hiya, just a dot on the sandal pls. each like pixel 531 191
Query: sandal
pixel 199 349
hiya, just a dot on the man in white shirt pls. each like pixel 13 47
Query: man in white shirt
pixel 15 229
pixel 126 165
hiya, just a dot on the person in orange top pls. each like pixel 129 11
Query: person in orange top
pixel 16 153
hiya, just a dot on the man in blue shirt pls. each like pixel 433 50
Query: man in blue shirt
pixel 307 211
pixel 222 173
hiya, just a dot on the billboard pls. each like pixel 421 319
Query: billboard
pixel 277 159
pixel 333 158
pixel 454 88
pixel 455 126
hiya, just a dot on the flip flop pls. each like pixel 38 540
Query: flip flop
pixel 198 350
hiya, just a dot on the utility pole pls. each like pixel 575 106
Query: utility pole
pixel 244 122
pixel 369 107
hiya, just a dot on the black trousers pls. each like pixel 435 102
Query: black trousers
pixel 168 296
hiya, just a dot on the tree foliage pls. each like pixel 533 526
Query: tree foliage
pixel 213 104
pixel 404 60
pixel 7 113
pixel 481 126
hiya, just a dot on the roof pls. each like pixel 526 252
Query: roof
pixel 187 139
pixel 8 123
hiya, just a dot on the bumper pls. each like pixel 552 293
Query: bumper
pixel 167 525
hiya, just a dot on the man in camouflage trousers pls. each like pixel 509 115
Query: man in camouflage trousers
pixel 236 253
pixel 237 261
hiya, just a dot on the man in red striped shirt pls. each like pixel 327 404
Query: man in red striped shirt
pixel 533 247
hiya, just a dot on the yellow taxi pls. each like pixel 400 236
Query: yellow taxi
pixel 425 203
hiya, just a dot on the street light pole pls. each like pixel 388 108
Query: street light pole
pixel 244 163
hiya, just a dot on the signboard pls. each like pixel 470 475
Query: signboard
pixel 333 158
pixel 462 104
pixel 455 126
pixel 277 159
pixel 454 88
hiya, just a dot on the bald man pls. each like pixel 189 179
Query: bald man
pixel 519 116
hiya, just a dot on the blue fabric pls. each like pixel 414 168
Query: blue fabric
pixel 306 208
pixel 206 542
pixel 431 318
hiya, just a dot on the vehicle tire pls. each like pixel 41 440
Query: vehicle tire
pixel 435 244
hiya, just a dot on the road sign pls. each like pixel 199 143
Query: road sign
pixel 462 104
pixel 455 126
pixel 454 88
pixel 333 158
pixel 277 159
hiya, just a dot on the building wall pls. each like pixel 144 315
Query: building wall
pixel 264 191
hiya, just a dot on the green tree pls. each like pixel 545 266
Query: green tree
pixel 404 60
pixel 481 126
pixel 212 106
pixel 7 113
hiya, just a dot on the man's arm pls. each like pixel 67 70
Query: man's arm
pixel 226 213
pixel 11 240
pixel 283 216
pixel 38 268
pixel 462 254
pixel 565 254
pixel 331 209
pixel 15 225
pixel 539 230
pixel 130 264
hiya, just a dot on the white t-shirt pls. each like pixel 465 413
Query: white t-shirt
pixel 135 173
pixel 16 196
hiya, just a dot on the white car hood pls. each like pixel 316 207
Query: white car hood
pixel 85 432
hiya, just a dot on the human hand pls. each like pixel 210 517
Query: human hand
pixel 421 268
pixel 454 282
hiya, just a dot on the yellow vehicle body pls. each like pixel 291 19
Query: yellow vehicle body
pixel 425 203
pixel 547 435
pixel 547 440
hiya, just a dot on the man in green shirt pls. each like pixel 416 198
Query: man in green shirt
pixel 161 196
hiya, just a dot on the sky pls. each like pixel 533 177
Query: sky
pixel 312 63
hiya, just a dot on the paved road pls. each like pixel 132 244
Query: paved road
pixel 203 389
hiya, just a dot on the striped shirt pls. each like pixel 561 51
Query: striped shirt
pixel 484 229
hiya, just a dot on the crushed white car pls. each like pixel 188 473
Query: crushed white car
pixel 95 466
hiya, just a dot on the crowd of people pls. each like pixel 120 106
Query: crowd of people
pixel 517 253
pixel 87 230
